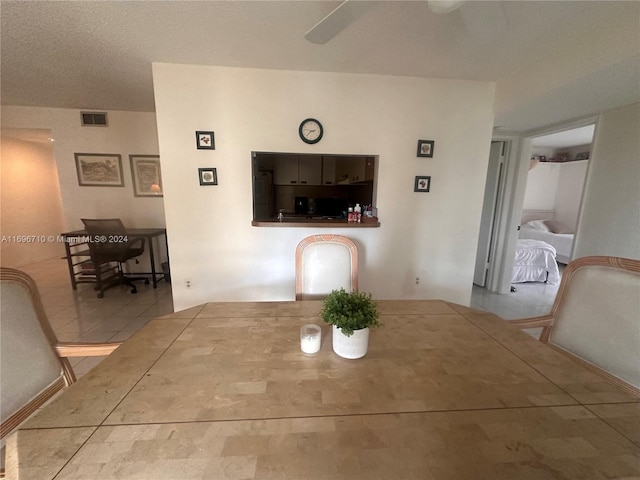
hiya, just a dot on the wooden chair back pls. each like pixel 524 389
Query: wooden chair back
pixel 596 317
pixel 34 363
pixel 325 263
pixel 32 372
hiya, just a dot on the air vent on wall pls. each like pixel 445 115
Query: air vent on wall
pixel 93 119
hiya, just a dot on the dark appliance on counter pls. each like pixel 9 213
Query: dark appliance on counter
pixel 331 207
pixel 302 205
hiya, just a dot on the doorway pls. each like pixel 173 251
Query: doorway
pixel 555 184
pixel 32 215
pixel 564 151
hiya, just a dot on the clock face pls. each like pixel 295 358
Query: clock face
pixel 310 130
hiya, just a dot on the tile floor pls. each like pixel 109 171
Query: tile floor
pixel 79 315
pixel 529 300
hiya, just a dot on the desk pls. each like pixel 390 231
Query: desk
pixel 76 239
pixel 221 391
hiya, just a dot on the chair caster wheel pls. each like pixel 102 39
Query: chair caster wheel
pixel 146 282
pixel 134 290
pixel 513 289
pixel 100 295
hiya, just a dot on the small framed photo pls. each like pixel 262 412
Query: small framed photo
pixel 145 172
pixel 208 176
pixel 205 141
pixel 425 148
pixel 99 170
pixel 422 184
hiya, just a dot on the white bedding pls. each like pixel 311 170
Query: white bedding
pixel 535 262
pixel 562 242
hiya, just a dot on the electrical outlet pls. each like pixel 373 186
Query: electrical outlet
pixel 417 280
pixel 187 282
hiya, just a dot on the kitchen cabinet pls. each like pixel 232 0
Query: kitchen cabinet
pixel 309 170
pixel 328 171
pixel 354 170
pixel 297 170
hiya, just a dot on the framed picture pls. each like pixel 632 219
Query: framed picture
pixel 146 175
pixel 423 184
pixel 99 170
pixel 425 148
pixel 205 141
pixel 208 176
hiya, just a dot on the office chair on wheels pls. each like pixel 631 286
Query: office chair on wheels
pixel 108 244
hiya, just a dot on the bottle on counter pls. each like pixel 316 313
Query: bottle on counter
pixel 350 215
pixel 357 213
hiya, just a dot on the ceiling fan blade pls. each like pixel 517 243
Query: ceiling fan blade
pixel 339 19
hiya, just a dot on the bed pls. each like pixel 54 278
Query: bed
pixel 535 262
pixel 540 225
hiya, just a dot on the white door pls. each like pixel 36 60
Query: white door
pixel 489 217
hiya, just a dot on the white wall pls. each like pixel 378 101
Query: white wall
pixel 127 133
pixel 556 186
pixel 428 235
pixel 31 217
pixel 569 194
pixel 609 221
pixel 542 185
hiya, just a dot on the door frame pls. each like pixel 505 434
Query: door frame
pixel 508 210
pixel 486 240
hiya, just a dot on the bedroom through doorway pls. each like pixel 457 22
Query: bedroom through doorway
pixel 552 200
pixel 555 182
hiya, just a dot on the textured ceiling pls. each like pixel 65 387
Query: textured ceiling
pixel 551 62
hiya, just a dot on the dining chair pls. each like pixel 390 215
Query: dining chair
pixel 324 263
pixel 35 364
pixel 110 247
pixel 595 318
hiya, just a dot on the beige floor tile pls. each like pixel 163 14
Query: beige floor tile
pixel 78 315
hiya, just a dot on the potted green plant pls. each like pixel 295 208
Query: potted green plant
pixel 351 314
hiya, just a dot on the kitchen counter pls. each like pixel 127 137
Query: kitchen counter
pixel 312 221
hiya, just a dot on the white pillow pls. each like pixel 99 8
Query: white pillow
pixel 539 225
pixel 557 227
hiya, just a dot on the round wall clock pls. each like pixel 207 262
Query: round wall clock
pixel 310 131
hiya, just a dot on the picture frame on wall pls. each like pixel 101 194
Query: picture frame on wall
pixel 205 140
pixel 146 175
pixel 422 184
pixel 425 148
pixel 208 176
pixel 99 170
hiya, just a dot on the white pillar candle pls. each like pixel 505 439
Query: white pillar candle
pixel 310 339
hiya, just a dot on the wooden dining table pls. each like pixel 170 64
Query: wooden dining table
pixel 223 391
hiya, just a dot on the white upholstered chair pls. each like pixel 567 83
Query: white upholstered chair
pixel 596 318
pixel 34 363
pixel 325 263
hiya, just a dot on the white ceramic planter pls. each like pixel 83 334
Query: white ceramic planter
pixel 351 347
